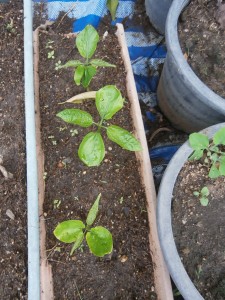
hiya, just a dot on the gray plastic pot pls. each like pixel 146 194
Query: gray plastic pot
pixel 157 13
pixel 183 98
pixel 164 223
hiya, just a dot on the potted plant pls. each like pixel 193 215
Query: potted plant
pixel 84 178
pixel 186 101
pixel 197 186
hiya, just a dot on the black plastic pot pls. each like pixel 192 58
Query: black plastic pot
pixel 164 223
pixel 184 99
pixel 157 12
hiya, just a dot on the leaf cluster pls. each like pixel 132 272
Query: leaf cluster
pixel 108 101
pixel 99 239
pixel 84 71
pixel 203 196
pixel 211 151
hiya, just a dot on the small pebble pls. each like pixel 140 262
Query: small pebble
pixel 10 214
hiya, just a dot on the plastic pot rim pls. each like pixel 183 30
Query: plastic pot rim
pixel 164 219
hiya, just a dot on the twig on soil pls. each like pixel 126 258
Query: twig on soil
pixel 158 131
pixel 77 290
pixel 66 14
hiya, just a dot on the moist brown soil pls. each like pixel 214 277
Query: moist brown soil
pixel 13 248
pixel 202 39
pixel 128 272
pixel 200 231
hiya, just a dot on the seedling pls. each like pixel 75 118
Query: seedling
pixel 108 101
pixel 98 238
pixel 51 54
pixel 211 151
pixel 203 196
pixel 86 43
pixel 112 6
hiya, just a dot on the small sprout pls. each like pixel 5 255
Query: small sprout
pixel 203 196
pixel 56 203
pixel 198 271
pixel 58 65
pixel 45 175
pixel 9 26
pixel 112 7
pixel 86 43
pixel 62 128
pixel 121 200
pixel 57 249
pixel 49 44
pixel 51 54
pixel 211 151
pixel 73 132
pixel 54 143
pixel 76 198
pixel 51 137
pixel 99 239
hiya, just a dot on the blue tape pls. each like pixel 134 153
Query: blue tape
pixel 164 152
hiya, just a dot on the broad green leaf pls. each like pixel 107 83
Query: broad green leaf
pixel 204 201
pixel 108 101
pixel 87 41
pixel 219 137
pixel 92 149
pixel 222 166
pixel 205 191
pixel 123 138
pixel 198 141
pixel 197 154
pixel 101 63
pixel 78 242
pixel 68 231
pixel 76 116
pixel 89 73
pixel 214 172
pixel 214 148
pixel 78 74
pixel 71 63
pixel 100 241
pixel 93 212
pixel 112 6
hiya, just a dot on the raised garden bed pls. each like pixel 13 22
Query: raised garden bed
pixel 68 187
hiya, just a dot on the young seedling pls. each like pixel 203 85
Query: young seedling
pixel 203 196
pixel 86 43
pixel 99 239
pixel 108 101
pixel 212 151
pixel 112 6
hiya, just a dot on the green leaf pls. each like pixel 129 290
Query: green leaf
pixel 197 154
pixel 101 63
pixel 214 157
pixel 100 241
pixel 214 172
pixel 195 193
pixel 78 74
pixel 71 63
pixel 92 149
pixel 87 41
pixel 222 166
pixel 112 6
pixel 123 138
pixel 78 242
pixel 76 117
pixel 205 191
pixel 219 137
pixel 108 101
pixel 89 73
pixel 198 141
pixel 93 212
pixel 204 201
pixel 68 231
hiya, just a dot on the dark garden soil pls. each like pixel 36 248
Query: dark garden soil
pixel 200 231
pixel 128 272
pixel 202 38
pixel 13 247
